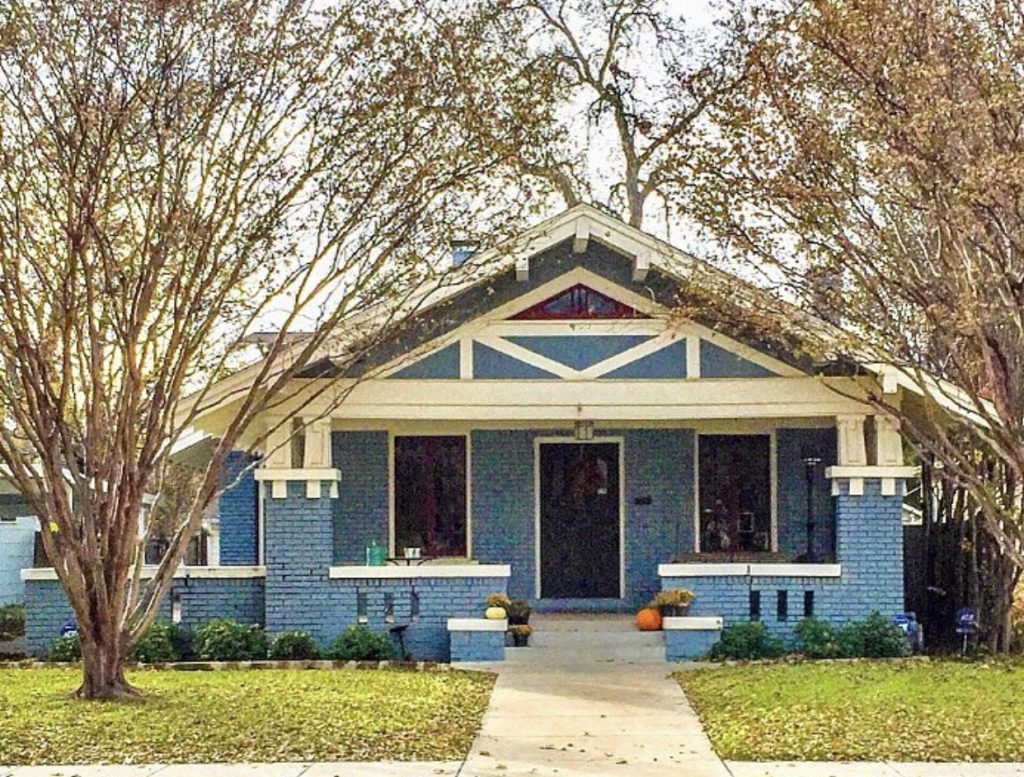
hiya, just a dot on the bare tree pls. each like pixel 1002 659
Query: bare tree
pixel 873 164
pixel 626 84
pixel 175 174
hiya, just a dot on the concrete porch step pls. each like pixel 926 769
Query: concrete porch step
pixel 574 622
pixel 570 639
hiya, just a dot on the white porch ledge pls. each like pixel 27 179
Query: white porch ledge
pixel 401 572
pixel 313 476
pixel 692 623
pixel 890 477
pixel 219 573
pixel 750 570
pixel 477 624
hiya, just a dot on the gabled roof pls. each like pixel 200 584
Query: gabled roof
pixel 582 235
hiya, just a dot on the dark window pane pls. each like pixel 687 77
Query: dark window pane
pixel 430 495
pixel 735 493
pixel 576 303
pixel 755 605
pixel 782 605
pixel 808 604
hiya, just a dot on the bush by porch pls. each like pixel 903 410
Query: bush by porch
pixel 913 710
pixel 231 716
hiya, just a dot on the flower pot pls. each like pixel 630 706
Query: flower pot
pixel 673 610
pixel 520 640
pixel 495 613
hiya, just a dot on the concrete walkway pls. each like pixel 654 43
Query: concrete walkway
pixel 593 697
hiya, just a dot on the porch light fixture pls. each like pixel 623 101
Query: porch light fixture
pixel 810 555
pixel 584 430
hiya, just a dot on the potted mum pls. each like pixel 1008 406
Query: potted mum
pixel 518 613
pixel 673 602
pixel 520 634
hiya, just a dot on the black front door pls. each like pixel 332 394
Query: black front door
pixel 579 520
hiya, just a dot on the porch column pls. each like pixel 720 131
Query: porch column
pixel 299 535
pixel 299 500
pixel 869 516
pixel 869 544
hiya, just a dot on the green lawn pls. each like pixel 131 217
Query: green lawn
pixel 273 715
pixel 863 711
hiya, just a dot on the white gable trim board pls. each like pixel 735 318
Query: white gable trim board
pixel 598 400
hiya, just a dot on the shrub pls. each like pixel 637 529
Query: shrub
pixel 227 640
pixel 817 639
pixel 874 637
pixel 183 642
pixel 882 639
pixel 361 644
pixel 12 622
pixel 294 646
pixel 155 646
pixel 66 649
pixel 746 642
pixel 518 612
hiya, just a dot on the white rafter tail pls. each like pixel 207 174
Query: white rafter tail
pixel 641 265
pixel 522 270
pixel 582 236
pixel 890 380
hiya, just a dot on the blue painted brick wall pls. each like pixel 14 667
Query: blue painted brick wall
pixel 791 445
pixel 206 599
pixel 361 514
pixel 869 543
pixel 504 504
pixel 300 595
pixel 486 646
pixel 202 600
pixel 300 547
pixel 237 511
pixel 659 465
pixel 685 645
pixel 426 638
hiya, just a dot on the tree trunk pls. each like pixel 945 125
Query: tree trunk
pixel 103 660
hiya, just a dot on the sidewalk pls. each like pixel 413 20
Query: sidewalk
pixel 347 769
pixel 452 769
pixel 823 769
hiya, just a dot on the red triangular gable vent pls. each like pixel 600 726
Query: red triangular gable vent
pixel 577 302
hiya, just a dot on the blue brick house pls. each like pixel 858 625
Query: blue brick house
pixel 576 425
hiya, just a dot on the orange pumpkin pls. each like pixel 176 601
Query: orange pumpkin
pixel 648 619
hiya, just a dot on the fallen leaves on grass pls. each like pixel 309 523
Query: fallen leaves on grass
pixel 344 715
pixel 862 711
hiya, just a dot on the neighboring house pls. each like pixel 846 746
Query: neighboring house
pixel 576 426
pixel 18 529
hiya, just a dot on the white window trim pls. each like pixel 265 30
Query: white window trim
pixel 773 480
pixel 559 440
pixel 261 529
pixel 392 434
